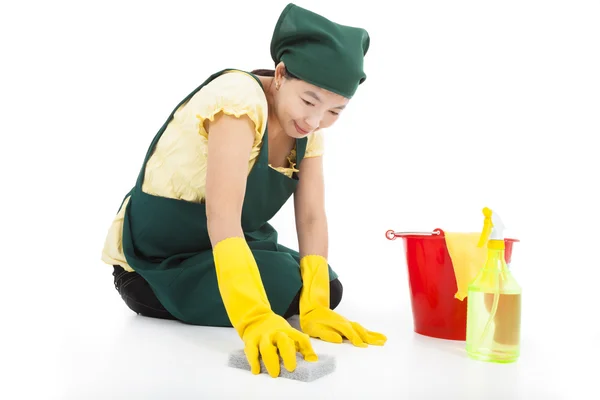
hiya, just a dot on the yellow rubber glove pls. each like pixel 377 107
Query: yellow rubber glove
pixel 263 332
pixel 316 317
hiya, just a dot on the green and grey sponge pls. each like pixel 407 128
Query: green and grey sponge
pixel 305 371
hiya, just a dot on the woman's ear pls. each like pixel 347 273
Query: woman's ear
pixel 280 72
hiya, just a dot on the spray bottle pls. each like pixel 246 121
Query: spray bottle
pixel 494 301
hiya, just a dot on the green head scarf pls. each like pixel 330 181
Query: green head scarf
pixel 319 51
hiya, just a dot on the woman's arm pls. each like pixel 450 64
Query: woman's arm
pixel 316 317
pixel 309 205
pixel 263 332
pixel 230 141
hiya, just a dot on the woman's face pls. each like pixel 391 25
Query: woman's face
pixel 302 108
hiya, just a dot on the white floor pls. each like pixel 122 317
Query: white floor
pixel 100 350
pixel 475 91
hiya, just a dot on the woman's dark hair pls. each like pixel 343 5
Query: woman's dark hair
pixel 271 72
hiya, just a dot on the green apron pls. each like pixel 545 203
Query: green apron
pixel 166 241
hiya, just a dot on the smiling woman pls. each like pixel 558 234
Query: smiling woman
pixel 191 240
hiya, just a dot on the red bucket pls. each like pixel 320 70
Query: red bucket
pixel 432 283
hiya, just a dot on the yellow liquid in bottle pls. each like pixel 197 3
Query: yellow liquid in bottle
pixel 501 341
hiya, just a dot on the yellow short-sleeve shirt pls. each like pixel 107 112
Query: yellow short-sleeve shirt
pixel 177 167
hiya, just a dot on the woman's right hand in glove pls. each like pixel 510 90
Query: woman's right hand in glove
pixel 265 334
pixel 272 338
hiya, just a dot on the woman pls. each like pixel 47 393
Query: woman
pixel 192 241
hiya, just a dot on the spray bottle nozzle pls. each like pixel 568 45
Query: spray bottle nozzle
pixel 487 227
pixel 492 227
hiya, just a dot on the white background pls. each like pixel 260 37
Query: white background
pixel 467 104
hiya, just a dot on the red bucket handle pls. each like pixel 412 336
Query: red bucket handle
pixel 392 235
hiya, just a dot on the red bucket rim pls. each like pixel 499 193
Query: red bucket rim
pixel 437 233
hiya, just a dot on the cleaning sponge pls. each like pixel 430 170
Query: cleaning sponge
pixel 305 371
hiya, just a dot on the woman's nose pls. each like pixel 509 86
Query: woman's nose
pixel 313 122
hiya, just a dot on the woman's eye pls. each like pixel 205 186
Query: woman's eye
pixel 308 103
pixel 334 113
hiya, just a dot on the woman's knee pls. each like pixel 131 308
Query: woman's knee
pixel 335 297
pixel 336 291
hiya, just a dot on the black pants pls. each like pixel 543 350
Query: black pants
pixel 140 298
